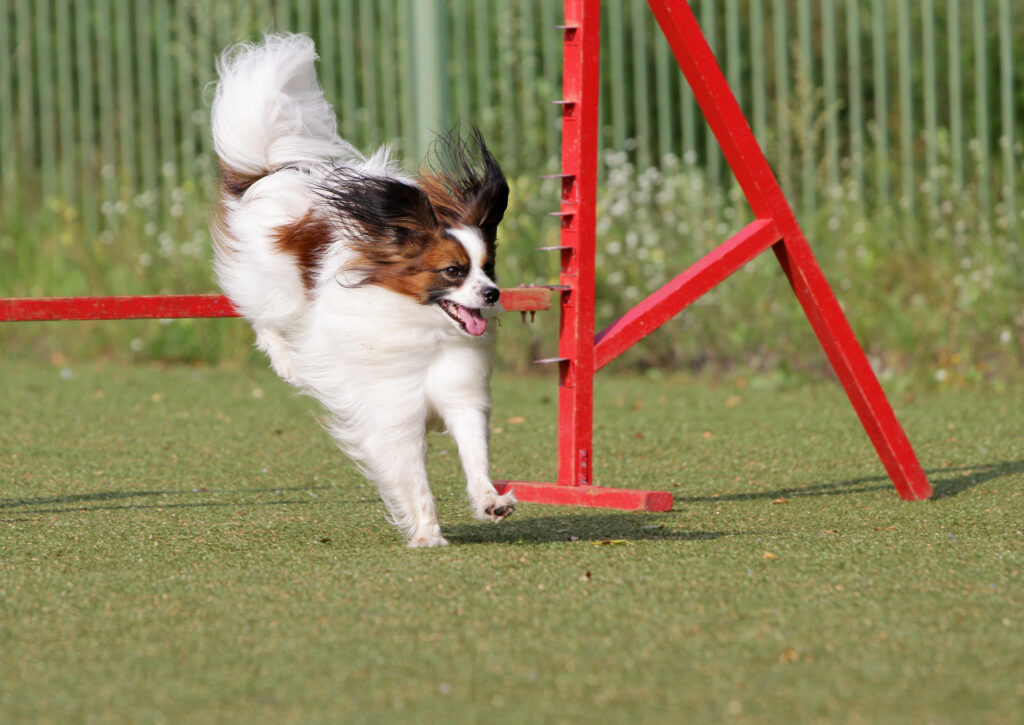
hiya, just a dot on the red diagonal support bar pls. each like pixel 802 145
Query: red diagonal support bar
pixel 38 309
pixel 762 190
pixel 682 291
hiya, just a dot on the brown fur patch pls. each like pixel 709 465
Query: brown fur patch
pixel 417 272
pixel 235 183
pixel 306 240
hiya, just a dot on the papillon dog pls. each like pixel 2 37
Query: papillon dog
pixel 370 289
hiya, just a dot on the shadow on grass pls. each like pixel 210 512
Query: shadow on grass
pixel 965 478
pixel 946 483
pixel 613 527
pixel 102 500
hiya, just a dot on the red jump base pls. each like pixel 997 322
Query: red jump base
pixel 626 499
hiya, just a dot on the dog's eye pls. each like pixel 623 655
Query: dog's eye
pixel 453 272
pixel 489 269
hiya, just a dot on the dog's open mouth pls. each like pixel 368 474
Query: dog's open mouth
pixel 467 318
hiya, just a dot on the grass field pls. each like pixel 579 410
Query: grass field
pixel 185 545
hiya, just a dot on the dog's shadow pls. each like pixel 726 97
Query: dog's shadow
pixel 609 528
pixel 946 483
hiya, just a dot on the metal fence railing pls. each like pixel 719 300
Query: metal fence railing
pixel 896 102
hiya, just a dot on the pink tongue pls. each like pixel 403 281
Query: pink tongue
pixel 475 324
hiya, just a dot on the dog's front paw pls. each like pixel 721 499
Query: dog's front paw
pixel 493 507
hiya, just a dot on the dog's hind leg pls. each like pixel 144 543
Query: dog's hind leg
pixel 399 469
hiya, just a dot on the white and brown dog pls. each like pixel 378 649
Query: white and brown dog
pixel 370 289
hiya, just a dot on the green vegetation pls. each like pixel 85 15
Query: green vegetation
pixel 184 545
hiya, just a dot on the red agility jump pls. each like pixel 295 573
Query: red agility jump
pixel 580 352
pixel 775 227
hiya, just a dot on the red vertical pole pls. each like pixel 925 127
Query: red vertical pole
pixel 580 85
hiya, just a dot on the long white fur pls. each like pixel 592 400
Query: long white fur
pixel 383 366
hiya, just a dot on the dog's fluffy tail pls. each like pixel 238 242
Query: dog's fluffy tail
pixel 269 111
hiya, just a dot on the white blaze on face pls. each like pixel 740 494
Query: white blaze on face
pixel 470 292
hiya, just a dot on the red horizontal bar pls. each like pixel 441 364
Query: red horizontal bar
pixel 674 296
pixel 37 309
pixel 29 309
pixel 626 499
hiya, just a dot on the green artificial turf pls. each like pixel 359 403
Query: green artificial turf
pixel 187 546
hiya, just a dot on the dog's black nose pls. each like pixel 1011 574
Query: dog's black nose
pixel 491 295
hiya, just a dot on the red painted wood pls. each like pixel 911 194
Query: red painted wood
pixel 852 367
pixel 674 296
pixel 580 88
pixel 762 190
pixel 35 309
pixel 115 308
pixel 594 496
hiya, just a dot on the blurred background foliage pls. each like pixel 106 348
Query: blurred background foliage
pixel 895 130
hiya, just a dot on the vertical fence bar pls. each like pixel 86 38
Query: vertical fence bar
pixel 956 104
pixel 46 120
pixel 855 98
pixel 527 63
pixel 482 57
pixel 930 83
pixel 144 48
pixel 303 16
pixel 641 99
pixel 879 53
pixel 617 72
pixel 367 46
pixel 86 137
pixel 126 123
pixel 26 133
pixel 830 79
pixel 663 98
pixel 390 72
pixel 405 31
pixel 186 91
pixel 903 53
pixel 712 152
pixel 1009 186
pixel 348 63
pixel 688 119
pixel 983 164
pixel 327 46
pixel 506 75
pixel 733 67
pixel 809 145
pixel 7 159
pixel 166 107
pixel 758 63
pixel 552 72
pixel 459 60
pixel 107 114
pixel 65 103
pixel 781 41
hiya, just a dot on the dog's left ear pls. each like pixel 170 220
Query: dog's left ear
pixel 488 207
pixel 490 198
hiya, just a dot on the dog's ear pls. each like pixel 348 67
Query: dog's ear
pixel 386 212
pixel 467 181
pixel 487 208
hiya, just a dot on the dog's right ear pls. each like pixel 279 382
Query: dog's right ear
pixel 380 211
